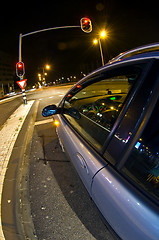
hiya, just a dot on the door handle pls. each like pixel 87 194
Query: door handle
pixel 82 162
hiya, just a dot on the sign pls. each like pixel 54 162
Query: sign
pixel 22 83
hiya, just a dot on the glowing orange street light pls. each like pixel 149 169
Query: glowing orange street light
pixel 95 41
pixel 47 66
pixel 103 34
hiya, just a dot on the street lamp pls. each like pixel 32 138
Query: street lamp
pixel 44 73
pixel 95 41
pixel 103 34
pixel 47 67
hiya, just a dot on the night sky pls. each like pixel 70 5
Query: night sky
pixel 129 24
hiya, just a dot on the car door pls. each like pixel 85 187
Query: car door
pixel 86 161
pixel 123 189
pixel 90 112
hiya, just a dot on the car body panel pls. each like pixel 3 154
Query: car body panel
pixel 123 208
pixel 86 163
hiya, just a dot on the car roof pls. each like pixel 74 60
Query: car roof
pixel 146 51
pixel 139 53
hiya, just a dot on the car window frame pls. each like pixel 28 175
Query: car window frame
pixel 137 134
pixel 151 70
pixel 99 74
pixel 147 110
pixel 130 97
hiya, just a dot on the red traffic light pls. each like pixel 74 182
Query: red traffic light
pixel 20 65
pixel 86 21
pixel 20 70
pixel 86 25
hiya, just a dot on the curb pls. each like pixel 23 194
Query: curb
pixel 9 134
pixel 16 220
pixel 25 224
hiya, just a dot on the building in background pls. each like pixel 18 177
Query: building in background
pixel 6 74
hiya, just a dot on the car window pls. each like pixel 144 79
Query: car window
pixel 93 106
pixel 143 164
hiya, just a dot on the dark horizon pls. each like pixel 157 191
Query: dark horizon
pixel 71 51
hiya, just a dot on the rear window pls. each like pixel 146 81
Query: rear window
pixel 143 164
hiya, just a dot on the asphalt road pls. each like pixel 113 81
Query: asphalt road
pixel 8 106
pixel 55 199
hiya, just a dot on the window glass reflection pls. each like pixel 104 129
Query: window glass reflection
pixel 143 163
pixel 98 105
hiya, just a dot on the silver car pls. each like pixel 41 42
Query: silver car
pixel 109 127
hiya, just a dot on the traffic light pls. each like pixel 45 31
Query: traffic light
pixel 20 70
pixel 86 25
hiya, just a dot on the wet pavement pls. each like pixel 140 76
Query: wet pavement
pixel 60 205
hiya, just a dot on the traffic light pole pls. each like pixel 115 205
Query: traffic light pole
pixel 31 33
pixel 20 47
pixel 86 26
pixel 84 22
pixel 38 31
pixel 20 60
pixel 24 96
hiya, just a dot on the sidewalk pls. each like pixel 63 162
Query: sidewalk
pixel 8 135
pixel 60 205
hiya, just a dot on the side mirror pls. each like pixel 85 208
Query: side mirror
pixel 50 110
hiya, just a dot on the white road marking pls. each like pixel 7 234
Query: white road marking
pixel 44 121
pixel 8 135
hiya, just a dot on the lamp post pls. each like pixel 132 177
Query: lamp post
pixel 103 34
pixel 42 76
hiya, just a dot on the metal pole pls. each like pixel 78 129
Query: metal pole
pixel 48 29
pixel 20 59
pixel 20 47
pixel 24 96
pixel 101 52
pixel 38 31
pixel 23 93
